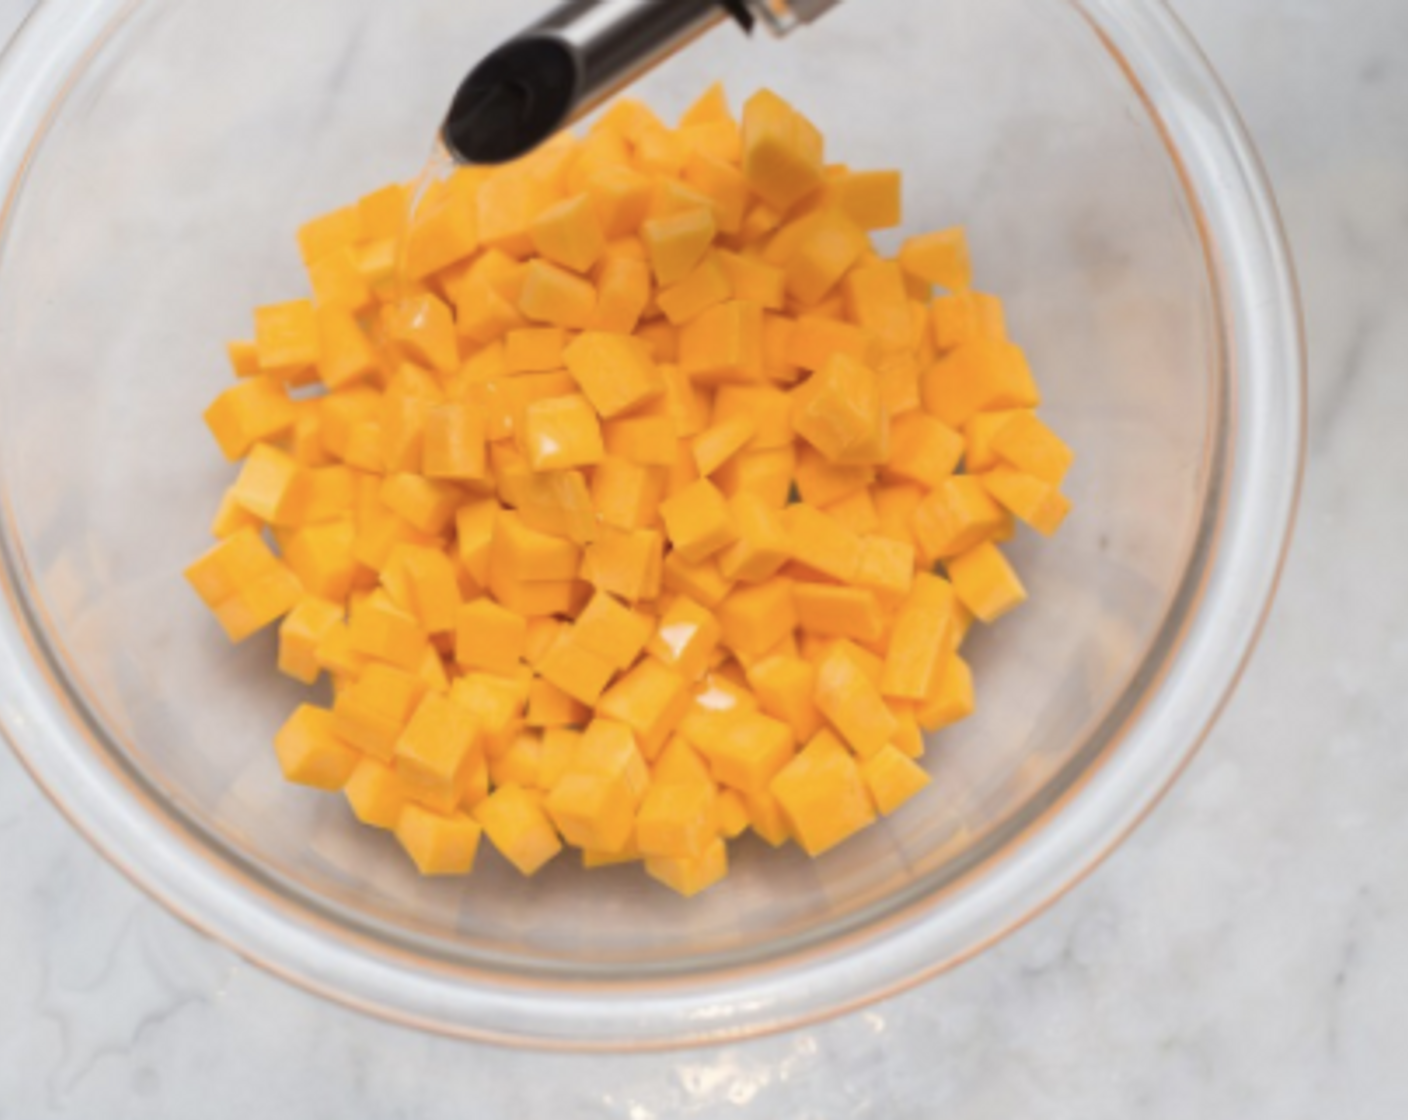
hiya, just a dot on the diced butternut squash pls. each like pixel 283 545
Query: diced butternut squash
pixel 959 515
pixel 677 243
pixel 372 712
pixel 615 474
pixel 1034 500
pixel 570 233
pixel 985 582
pixel 686 638
pixel 840 412
pixel 557 297
pixel 615 373
pixel 941 258
pixel 690 876
pixel 892 779
pixel 823 795
pixel 439 845
pixel 783 152
pixel 311 753
pixel 979 376
pixel 852 703
pixel 1031 447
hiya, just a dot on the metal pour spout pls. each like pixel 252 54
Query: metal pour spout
pixel 582 53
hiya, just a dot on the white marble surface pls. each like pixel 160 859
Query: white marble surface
pixel 1241 957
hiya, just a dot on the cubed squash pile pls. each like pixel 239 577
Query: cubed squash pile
pixel 628 497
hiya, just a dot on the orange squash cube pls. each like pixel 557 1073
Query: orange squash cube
pixel 615 373
pixel 686 638
pixel 942 258
pixel 873 200
pixel 979 376
pixel 951 700
pixel 753 280
pixel 923 450
pixel 813 341
pixel 328 233
pixel 756 617
pixel 269 485
pixel 608 749
pixel 954 518
pixel 841 612
pixel 621 197
pixel 255 410
pixel 749 752
pixel 424 326
pixel 299 634
pixel 489 637
pixel 676 243
pixel 648 441
pixel 985 582
pixel 310 752
pixel 373 710
pixel 345 354
pixel 706 286
pixel 613 631
pixel 439 845
pixel 623 293
pixel 921 644
pixel 698 521
pixel 783 153
pixel 549 706
pixel 823 796
pixel 886 567
pixel 570 234
pixel 534 349
pixel 851 701
pixel 374 793
pixel 1034 500
pixel 436 747
pixel 785 687
pixel 287 339
pixel 626 563
pixel 592 812
pixel 562 434
pixel 379 630
pixel 703 582
pixel 1032 448
pixel 680 764
pixel 455 448
pixel 676 820
pixel 517 826
pixel 724 345
pixel 557 297
pixel 892 779
pixel 690 876
pixel 822 544
pixel 762 546
pixel 576 669
pixel 839 411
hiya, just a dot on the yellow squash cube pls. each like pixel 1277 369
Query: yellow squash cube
pixel 892 779
pixel 851 701
pixel 517 826
pixel 823 796
pixel 311 753
pixel 676 820
pixel 985 582
pixel 439 845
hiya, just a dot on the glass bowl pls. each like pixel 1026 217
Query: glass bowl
pixel 159 156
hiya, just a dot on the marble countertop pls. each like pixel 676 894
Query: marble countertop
pixel 1241 956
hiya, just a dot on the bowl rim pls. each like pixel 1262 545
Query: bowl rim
pixel 1231 584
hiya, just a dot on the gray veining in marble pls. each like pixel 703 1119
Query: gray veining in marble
pixel 1241 957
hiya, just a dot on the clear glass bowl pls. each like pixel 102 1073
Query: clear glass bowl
pixel 159 157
